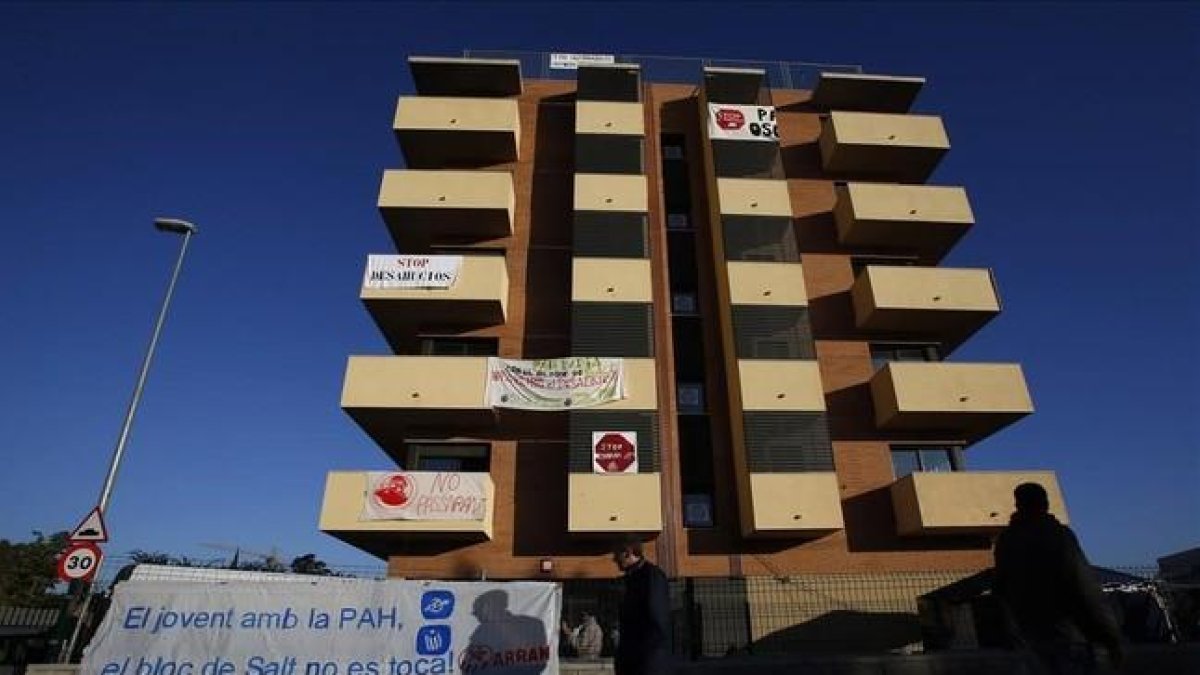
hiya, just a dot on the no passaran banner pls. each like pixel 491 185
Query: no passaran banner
pixel 424 495
pixel 554 384
pixel 412 271
pixel 742 122
pixel 329 627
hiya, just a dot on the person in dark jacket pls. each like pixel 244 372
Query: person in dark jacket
pixel 644 647
pixel 1046 586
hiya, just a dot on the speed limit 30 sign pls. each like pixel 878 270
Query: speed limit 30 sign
pixel 79 562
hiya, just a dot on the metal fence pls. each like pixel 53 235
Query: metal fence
pixel 851 613
pixel 675 69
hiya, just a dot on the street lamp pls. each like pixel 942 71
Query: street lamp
pixel 174 226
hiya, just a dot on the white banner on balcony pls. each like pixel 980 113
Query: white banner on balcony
pixel 742 122
pixel 328 626
pixel 412 271
pixel 554 384
pixel 424 495
pixel 573 61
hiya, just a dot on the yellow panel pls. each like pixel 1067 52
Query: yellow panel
pixel 964 502
pixel 610 192
pixel 959 387
pixel 345 492
pixel 769 384
pixel 462 114
pixel 605 117
pixel 926 288
pixel 415 382
pixel 857 128
pixel 908 203
pixel 610 280
pixel 622 503
pixel 754 197
pixel 794 502
pixel 641 389
pixel 491 190
pixel 762 283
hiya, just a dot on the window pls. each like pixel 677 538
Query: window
pixel 883 352
pixel 698 510
pixel 908 459
pixel 690 397
pixel 859 262
pixel 468 457
pixel 678 221
pixel 683 303
pixel 459 346
pixel 672 149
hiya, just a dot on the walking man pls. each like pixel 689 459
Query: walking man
pixel 644 648
pixel 1046 586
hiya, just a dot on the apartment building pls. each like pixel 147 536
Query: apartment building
pixel 754 249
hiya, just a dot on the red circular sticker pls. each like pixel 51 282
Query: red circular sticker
pixel 395 490
pixel 614 452
pixel 730 119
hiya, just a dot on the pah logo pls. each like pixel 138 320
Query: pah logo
pixel 433 640
pixel 437 605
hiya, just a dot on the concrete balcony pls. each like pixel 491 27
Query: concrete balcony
pixel 452 76
pixel 753 197
pixel 904 148
pixel 342 507
pixel 446 206
pixel 938 303
pixel 439 132
pixel 970 400
pixel 781 385
pixel 394 397
pixel 600 504
pixel 478 298
pixel 610 192
pixel 926 220
pixel 871 93
pixel 610 280
pixel 735 86
pixel 608 117
pixel 965 502
pixel 793 505
pixel 767 283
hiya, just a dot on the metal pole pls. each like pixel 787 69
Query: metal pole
pixel 119 451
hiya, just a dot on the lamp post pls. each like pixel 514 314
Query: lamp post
pixel 175 226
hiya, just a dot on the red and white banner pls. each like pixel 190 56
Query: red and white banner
pixel 742 122
pixel 425 495
pixel 614 452
pixel 412 271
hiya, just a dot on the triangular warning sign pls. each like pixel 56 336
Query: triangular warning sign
pixel 91 529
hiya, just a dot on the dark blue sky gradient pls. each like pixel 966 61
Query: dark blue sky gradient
pixel 1073 127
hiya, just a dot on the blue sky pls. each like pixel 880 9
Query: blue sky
pixel 1074 128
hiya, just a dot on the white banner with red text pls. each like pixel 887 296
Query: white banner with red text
pixel 554 384
pixel 329 627
pixel 412 271
pixel 425 495
pixel 742 122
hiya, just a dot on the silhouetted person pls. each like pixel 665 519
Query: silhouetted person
pixel 1046 585
pixel 644 647
pixel 504 643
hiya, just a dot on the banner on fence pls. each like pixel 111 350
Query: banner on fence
pixel 742 122
pixel 424 495
pixel 554 384
pixel 329 627
pixel 412 271
pixel 573 61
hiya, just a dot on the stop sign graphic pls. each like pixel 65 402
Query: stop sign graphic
pixel 614 451
pixel 730 119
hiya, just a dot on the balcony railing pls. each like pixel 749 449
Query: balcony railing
pixel 966 502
